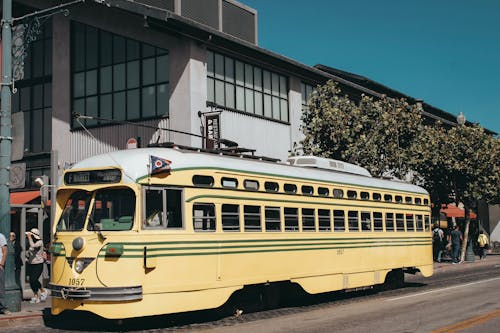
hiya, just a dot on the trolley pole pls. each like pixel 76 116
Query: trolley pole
pixel 12 297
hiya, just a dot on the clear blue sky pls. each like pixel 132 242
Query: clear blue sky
pixel 446 52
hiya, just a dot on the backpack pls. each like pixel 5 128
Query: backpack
pixel 435 237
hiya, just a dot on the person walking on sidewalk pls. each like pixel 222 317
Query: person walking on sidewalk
pixel 17 257
pixel 437 242
pixel 3 258
pixel 483 242
pixel 455 239
pixel 35 261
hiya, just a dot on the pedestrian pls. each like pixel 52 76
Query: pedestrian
pixel 17 257
pixel 3 258
pixel 437 242
pixel 456 240
pixel 483 242
pixel 35 261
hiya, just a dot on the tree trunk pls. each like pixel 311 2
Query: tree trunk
pixel 466 233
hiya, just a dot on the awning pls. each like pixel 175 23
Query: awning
pixel 454 211
pixel 21 198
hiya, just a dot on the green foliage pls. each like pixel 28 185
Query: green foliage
pixel 376 133
pixel 387 137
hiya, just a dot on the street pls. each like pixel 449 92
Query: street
pixel 458 298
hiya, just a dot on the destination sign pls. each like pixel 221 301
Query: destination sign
pixel 93 177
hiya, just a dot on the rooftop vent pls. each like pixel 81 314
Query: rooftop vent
pixel 327 164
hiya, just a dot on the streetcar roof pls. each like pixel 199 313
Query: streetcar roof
pixel 135 166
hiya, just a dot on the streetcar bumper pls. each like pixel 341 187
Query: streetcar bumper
pixel 111 294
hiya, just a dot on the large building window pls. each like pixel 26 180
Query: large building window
pixel 114 77
pixel 34 93
pixel 306 92
pixel 240 86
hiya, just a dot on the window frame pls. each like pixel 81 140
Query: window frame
pixel 164 223
pixel 118 70
pixel 247 88
pixel 209 217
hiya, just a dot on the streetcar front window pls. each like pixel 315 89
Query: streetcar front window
pixel 113 210
pixel 75 211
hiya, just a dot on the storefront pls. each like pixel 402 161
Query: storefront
pixel 27 213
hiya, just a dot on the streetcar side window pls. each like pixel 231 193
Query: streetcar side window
pixel 271 186
pixel 323 191
pixel 389 222
pixel 418 201
pixel 377 196
pixel 366 222
pixel 377 221
pixel 426 202
pixel 251 185
pixel 338 220
pixel 307 190
pixel 408 200
pixel 229 182
pixel 291 219
pixel 230 217
pixel 420 223
pixel 308 219
pixel 410 226
pixel 154 209
pixel 324 220
pixel 353 221
pixel 252 218
pixel 398 198
pixel 400 222
pixel 427 223
pixel 174 209
pixel 163 208
pixel 204 217
pixel 352 194
pixel 338 193
pixel 273 220
pixel 203 181
pixel 365 195
pixel 290 188
pixel 387 197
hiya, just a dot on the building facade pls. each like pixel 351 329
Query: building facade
pixel 183 71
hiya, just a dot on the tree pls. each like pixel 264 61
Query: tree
pixel 473 166
pixel 376 133
pixel 429 164
pixel 387 137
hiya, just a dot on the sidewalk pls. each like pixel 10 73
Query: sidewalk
pixel 35 312
pixel 29 313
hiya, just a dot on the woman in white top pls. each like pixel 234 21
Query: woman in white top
pixel 35 265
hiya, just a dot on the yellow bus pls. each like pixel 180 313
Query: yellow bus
pixel 154 231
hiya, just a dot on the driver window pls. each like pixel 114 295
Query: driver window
pixel 163 208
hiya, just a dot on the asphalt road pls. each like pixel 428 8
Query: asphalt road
pixel 458 298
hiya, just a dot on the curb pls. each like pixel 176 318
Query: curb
pixel 16 320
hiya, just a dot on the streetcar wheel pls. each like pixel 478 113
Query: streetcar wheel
pixel 395 279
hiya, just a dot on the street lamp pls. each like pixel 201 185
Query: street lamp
pixel 44 189
pixel 461 119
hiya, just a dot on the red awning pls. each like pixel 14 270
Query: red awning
pixel 454 211
pixel 21 198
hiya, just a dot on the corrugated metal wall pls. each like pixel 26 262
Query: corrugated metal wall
pixel 110 138
pixel 270 138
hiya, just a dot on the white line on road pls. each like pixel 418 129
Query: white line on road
pixel 439 290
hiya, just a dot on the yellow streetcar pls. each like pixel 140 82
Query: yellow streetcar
pixel 154 231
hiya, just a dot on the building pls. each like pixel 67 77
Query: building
pixel 183 71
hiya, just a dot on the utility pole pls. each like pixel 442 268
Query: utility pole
pixel 12 298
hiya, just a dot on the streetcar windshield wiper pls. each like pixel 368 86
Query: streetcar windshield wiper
pixel 95 227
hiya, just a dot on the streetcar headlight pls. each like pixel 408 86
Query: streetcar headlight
pixel 79 266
